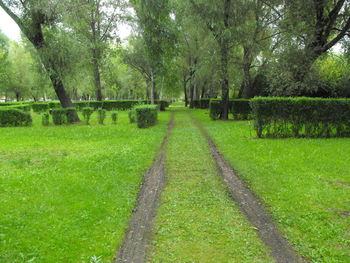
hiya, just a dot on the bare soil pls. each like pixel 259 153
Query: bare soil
pixel 252 207
pixel 133 248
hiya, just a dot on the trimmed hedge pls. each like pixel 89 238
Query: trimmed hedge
pixel 40 107
pixel 45 119
pixel 87 112
pixel 146 115
pixel 200 104
pixel 14 118
pixel 215 109
pixel 240 109
pixel 22 107
pixel 132 116
pixel 114 116
pixel 301 117
pixel 59 116
pixel 101 116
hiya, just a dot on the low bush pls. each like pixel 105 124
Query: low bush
pixel 132 116
pixel 87 112
pixel 14 117
pixel 200 104
pixel 240 109
pixel 59 116
pixel 101 115
pixel 114 116
pixel 40 107
pixel 45 119
pixel 54 104
pixel 146 115
pixel 301 117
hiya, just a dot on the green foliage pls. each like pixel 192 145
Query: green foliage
pixel 114 116
pixel 40 107
pixel 240 109
pixel 14 117
pixel 101 115
pixel 146 116
pixel 45 119
pixel 22 107
pixel 306 117
pixel 59 116
pixel 87 112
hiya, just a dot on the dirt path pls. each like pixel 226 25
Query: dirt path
pixel 133 249
pixel 252 207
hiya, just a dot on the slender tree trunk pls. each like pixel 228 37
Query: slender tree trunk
pixel 191 89
pixel 184 83
pixel 153 88
pixel 97 74
pixel 224 80
pixel 18 96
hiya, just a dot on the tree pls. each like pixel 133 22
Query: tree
pixel 97 25
pixel 36 19
pixel 315 26
pixel 157 31
pixel 221 18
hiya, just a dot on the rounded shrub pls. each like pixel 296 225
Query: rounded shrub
pixel 45 119
pixel 59 116
pixel 101 115
pixel 114 116
pixel 132 116
pixel 87 112
pixel 146 116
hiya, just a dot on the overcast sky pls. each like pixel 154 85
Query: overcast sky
pixel 8 27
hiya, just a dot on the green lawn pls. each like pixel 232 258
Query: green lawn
pixel 305 183
pixel 197 220
pixel 67 192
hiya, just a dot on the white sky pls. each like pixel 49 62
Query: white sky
pixel 11 30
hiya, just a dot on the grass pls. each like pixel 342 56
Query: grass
pixel 67 192
pixel 197 220
pixel 305 183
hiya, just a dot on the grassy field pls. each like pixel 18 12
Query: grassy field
pixel 67 192
pixel 197 220
pixel 305 183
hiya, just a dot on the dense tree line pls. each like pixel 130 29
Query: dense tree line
pixel 178 48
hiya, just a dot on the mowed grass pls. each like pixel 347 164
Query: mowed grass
pixel 305 183
pixel 197 220
pixel 67 192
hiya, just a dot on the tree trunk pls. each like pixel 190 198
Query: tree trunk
pixel 224 80
pixel 153 88
pixel 97 74
pixel 247 89
pixel 184 83
pixel 18 96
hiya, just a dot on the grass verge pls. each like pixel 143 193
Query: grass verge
pixel 197 220
pixel 67 192
pixel 305 183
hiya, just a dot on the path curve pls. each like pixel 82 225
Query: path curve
pixel 133 248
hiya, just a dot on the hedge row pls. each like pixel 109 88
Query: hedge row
pixel 108 105
pixel 240 109
pixel 200 104
pixel 301 117
pixel 146 115
pixel 14 117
